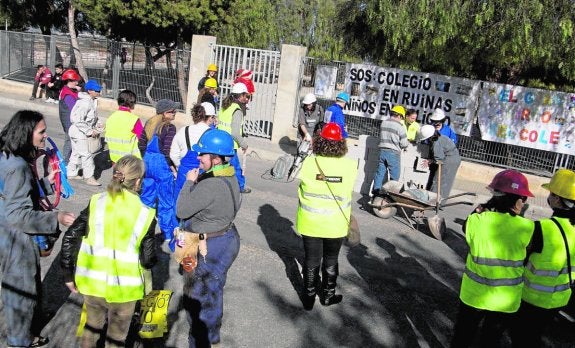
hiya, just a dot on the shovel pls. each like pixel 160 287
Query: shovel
pixel 436 223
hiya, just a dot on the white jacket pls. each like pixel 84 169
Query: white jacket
pixel 84 116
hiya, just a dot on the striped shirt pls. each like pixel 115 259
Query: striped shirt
pixel 392 135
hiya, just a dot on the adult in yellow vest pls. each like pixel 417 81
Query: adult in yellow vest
pixel 549 273
pixel 105 251
pixel 231 119
pixel 493 279
pixel 411 125
pixel 123 128
pixel 325 193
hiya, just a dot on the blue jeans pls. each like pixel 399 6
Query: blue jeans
pixel 204 289
pixel 388 160
pixel 235 162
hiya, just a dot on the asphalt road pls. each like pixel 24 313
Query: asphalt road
pixel 400 286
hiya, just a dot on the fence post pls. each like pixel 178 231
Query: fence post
pixel 52 61
pixel 4 59
pixel 288 91
pixel 116 77
pixel 200 56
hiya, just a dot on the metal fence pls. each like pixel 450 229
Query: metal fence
pixel 471 148
pixel 265 67
pixel 146 71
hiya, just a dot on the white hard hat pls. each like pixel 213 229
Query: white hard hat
pixel 309 99
pixel 438 115
pixel 209 108
pixel 425 132
pixel 239 88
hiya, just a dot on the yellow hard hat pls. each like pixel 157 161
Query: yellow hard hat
pixel 211 83
pixel 399 110
pixel 212 67
pixel 562 184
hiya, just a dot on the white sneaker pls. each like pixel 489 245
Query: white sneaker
pixel 55 101
pixel 49 100
pixel 75 177
pixel 92 182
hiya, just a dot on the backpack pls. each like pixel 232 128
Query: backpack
pixel 282 166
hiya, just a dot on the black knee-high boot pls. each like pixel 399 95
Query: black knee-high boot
pixel 329 277
pixel 310 280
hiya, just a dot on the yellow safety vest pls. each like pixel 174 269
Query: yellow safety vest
pixel 108 263
pixel 546 273
pixel 318 213
pixel 493 278
pixel 225 121
pixel 412 131
pixel 119 136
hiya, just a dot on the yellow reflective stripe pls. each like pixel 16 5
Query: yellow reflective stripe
pixel 110 253
pixel 493 282
pixel 114 280
pixel 323 196
pixel 318 211
pixel 546 288
pixel 544 272
pixel 118 140
pixel 224 124
pixel 496 262
pixel 99 221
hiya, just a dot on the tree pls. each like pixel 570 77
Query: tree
pixel 43 14
pixel 511 41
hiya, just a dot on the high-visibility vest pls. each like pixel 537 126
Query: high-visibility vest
pixel 493 278
pixel 225 121
pixel 412 131
pixel 546 273
pixel 108 263
pixel 318 213
pixel 119 136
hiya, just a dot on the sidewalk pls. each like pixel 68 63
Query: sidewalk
pixel 471 177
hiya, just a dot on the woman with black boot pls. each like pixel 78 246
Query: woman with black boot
pixel 324 212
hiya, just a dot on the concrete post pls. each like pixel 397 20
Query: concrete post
pixel 287 93
pixel 202 48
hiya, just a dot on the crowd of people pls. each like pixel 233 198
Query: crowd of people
pixel 190 183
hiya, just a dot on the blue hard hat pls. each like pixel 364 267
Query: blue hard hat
pixel 217 142
pixel 92 85
pixel 343 97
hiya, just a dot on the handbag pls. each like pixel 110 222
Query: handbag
pixel 353 238
pixel 94 143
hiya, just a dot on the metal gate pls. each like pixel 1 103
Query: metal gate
pixel 266 67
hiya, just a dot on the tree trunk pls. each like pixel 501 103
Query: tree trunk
pixel 74 42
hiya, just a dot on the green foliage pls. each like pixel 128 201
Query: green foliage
pixel 43 14
pixel 500 40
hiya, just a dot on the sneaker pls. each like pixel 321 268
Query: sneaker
pixel 55 102
pixel 32 98
pixel 246 190
pixel 75 177
pixel 49 100
pixel 92 182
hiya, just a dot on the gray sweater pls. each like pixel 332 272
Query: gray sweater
pixel 393 135
pixel 208 205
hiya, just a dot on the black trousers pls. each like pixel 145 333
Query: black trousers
pixel 318 249
pixel 468 323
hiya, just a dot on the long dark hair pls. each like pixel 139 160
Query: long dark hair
pixel 16 136
pixel 502 204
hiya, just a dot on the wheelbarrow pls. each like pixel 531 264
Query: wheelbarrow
pixel 419 201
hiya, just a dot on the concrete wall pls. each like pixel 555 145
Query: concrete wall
pixel 202 47
pixel 287 93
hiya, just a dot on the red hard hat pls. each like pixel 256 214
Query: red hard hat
pixel 70 74
pixel 331 131
pixel 511 181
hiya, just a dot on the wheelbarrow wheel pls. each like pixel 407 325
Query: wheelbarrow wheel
pixel 383 212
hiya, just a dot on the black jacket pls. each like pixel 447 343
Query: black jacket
pixel 72 241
